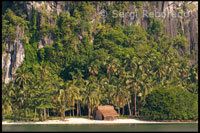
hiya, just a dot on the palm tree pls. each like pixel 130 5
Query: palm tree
pixel 135 68
pixel 58 85
pixel 45 88
pixel 7 104
pixel 106 91
pixel 91 94
pixel 119 86
pixel 61 100
pixel 72 92
pixel 33 95
pixel 79 98
pixel 22 79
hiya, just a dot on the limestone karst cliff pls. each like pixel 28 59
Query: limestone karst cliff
pixel 14 53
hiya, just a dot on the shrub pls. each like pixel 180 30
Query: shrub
pixel 170 103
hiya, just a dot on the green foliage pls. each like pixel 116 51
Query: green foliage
pixel 45 29
pixel 138 4
pixel 180 43
pixel 31 55
pixel 85 10
pixel 162 104
pixel 9 25
pixel 186 6
pixel 155 26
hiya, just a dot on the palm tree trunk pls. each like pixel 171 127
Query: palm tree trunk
pixel 89 110
pixel 73 108
pixel 48 112
pixel 119 106
pixel 73 112
pixel 24 102
pixel 44 114
pixel 64 106
pixel 64 112
pixel 41 115
pixel 77 109
pixel 29 114
pixel 35 114
pixel 129 108
pixel 135 102
pixel 61 114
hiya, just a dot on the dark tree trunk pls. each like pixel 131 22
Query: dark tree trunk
pixel 19 112
pixel 123 111
pixel 132 103
pixel 144 99
pixel 15 114
pixel 57 112
pixel 91 110
pixel 24 110
pixel 70 113
pixel 80 108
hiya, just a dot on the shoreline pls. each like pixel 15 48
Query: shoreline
pixel 87 121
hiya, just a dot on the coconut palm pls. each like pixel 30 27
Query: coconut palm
pixel 45 89
pixel 91 93
pixel 22 78
pixel 72 92
pixel 7 91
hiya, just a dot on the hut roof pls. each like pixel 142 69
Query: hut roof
pixel 107 110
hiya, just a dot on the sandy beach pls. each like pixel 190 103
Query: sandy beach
pixel 87 121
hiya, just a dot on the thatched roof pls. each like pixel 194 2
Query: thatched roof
pixel 107 110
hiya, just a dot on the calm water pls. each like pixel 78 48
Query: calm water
pixel 106 127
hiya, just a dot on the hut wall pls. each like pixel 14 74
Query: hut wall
pixel 109 118
pixel 98 115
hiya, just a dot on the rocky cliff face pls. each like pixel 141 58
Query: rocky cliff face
pixel 15 53
pixel 14 56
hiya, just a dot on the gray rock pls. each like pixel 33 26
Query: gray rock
pixel 14 56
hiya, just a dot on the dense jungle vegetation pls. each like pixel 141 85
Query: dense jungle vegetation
pixel 125 66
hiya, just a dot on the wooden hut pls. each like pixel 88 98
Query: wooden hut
pixel 106 112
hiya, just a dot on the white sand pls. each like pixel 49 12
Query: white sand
pixel 84 121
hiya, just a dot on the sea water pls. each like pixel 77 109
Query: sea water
pixel 103 127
